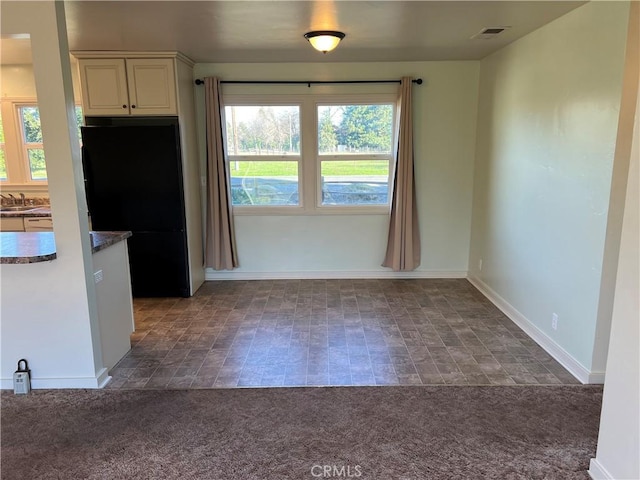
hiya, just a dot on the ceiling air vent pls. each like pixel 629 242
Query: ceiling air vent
pixel 489 32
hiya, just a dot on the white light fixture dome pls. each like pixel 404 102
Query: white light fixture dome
pixel 324 40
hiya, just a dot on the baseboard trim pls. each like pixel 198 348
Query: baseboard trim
pixel 596 378
pixel 99 381
pixel 102 378
pixel 331 275
pixel 597 471
pixel 552 348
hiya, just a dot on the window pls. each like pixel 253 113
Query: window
pixel 22 156
pixel 354 153
pixel 263 153
pixel 309 153
pixel 32 141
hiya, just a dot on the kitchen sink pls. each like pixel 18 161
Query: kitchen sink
pixel 17 208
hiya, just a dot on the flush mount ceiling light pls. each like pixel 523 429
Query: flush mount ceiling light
pixel 324 40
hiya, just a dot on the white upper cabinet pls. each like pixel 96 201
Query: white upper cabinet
pixel 104 87
pixel 152 86
pixel 131 86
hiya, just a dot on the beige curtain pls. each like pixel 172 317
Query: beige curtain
pixel 403 244
pixel 220 243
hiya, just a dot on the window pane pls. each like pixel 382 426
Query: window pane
pixel 30 117
pixel 80 121
pixel 37 164
pixel 359 182
pixel 344 129
pixel 264 183
pixel 263 130
pixel 3 165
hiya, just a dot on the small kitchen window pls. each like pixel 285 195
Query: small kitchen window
pixel 22 155
pixel 32 142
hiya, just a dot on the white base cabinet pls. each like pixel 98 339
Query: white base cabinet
pixel 11 224
pixel 38 224
pixel 113 298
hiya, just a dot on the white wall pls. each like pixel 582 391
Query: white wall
pixel 48 311
pixel 332 246
pixel 618 454
pixel 619 438
pixel 45 320
pixel 191 173
pixel 18 81
pixel 547 122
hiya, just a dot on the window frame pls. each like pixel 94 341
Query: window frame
pixel 265 101
pixel 15 148
pixel 309 163
pixel 12 143
pixel 389 157
pixel 25 146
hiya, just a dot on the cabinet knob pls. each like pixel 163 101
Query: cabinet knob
pixel 133 106
pixel 124 106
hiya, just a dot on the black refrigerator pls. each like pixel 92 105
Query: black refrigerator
pixel 133 181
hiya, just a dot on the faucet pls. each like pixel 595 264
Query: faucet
pixel 13 199
pixel 22 202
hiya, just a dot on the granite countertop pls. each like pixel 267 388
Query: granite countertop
pixel 27 247
pixel 34 247
pixel 102 240
pixel 36 211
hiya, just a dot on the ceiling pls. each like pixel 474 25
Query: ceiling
pixel 272 31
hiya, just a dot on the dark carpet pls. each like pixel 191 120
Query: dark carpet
pixel 457 432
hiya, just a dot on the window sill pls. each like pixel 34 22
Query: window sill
pixel 24 187
pixel 298 211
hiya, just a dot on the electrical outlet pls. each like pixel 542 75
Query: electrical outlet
pixel 98 276
pixel 480 264
pixel 554 321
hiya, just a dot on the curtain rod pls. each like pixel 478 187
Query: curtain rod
pixel 308 83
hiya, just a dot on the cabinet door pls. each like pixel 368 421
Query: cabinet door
pixel 104 86
pixel 11 224
pixel 38 224
pixel 152 86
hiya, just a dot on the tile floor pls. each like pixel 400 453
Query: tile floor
pixel 330 332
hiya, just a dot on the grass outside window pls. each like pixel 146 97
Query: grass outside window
pixel 329 168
